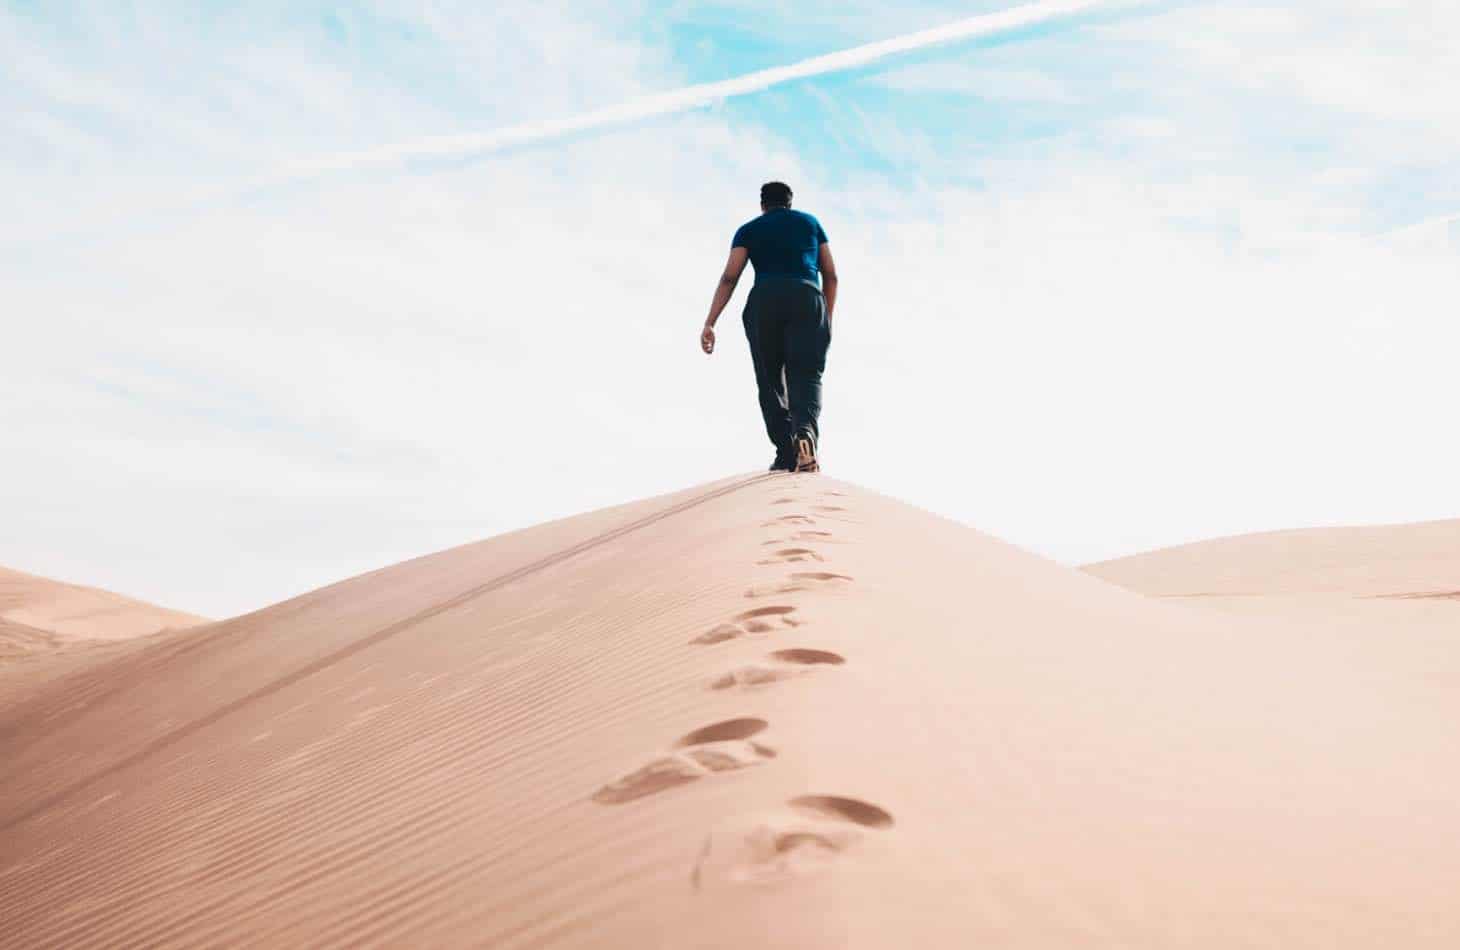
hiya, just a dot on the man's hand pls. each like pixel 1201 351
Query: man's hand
pixel 723 291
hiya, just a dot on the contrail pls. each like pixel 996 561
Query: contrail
pixel 1435 224
pixel 690 97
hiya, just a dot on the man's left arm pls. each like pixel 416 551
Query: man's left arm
pixel 723 292
pixel 828 278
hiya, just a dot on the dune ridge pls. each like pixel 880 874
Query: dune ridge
pixel 1415 560
pixel 39 615
pixel 71 611
pixel 770 711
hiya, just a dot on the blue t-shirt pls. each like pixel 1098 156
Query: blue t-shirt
pixel 783 243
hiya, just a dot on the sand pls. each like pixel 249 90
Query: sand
pixel 1408 561
pixel 39 615
pixel 775 711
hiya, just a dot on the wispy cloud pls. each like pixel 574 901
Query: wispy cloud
pixel 985 26
pixel 1009 85
pixel 1441 232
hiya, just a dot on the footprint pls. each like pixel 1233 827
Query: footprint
pixel 805 657
pixel 809 835
pixel 719 634
pixel 844 809
pixel 748 677
pixel 722 747
pixel 803 537
pixel 723 732
pixel 789 519
pixel 791 555
pixel 759 620
pixel 827 508
pixel 785 501
pixel 784 665
pixel 834 493
pixel 801 580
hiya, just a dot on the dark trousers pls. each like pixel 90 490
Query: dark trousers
pixel 785 322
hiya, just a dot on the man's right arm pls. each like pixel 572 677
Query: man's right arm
pixel 828 278
pixel 724 290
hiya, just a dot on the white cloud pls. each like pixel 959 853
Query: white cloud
pixel 1436 235
pixel 1394 63
pixel 1012 85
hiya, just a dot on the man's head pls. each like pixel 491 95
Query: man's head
pixel 775 194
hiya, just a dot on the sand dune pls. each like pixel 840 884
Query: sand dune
pixel 1415 561
pixel 1386 599
pixel 38 615
pixel 772 711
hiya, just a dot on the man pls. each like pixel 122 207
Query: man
pixel 787 320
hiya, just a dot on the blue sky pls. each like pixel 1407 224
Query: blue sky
pixel 1169 271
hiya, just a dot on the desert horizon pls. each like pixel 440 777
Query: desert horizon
pixel 59 610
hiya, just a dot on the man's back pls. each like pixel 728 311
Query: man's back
pixel 783 243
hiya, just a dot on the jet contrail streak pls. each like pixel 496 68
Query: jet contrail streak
pixel 1428 224
pixel 690 97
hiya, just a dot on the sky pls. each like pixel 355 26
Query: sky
pixel 1144 274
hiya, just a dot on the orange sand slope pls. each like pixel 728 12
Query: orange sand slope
pixel 772 711
pixel 37 614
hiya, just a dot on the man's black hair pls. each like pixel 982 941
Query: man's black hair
pixel 775 194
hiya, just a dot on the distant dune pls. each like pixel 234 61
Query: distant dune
pixel 38 614
pixel 773 711
pixel 1407 560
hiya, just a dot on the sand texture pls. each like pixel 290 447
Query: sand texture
pixel 39 615
pixel 1407 561
pixel 772 711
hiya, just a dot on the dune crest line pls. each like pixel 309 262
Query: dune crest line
pixel 378 636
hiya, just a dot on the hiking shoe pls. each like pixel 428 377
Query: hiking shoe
pixel 782 464
pixel 805 454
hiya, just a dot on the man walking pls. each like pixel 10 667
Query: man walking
pixel 787 320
